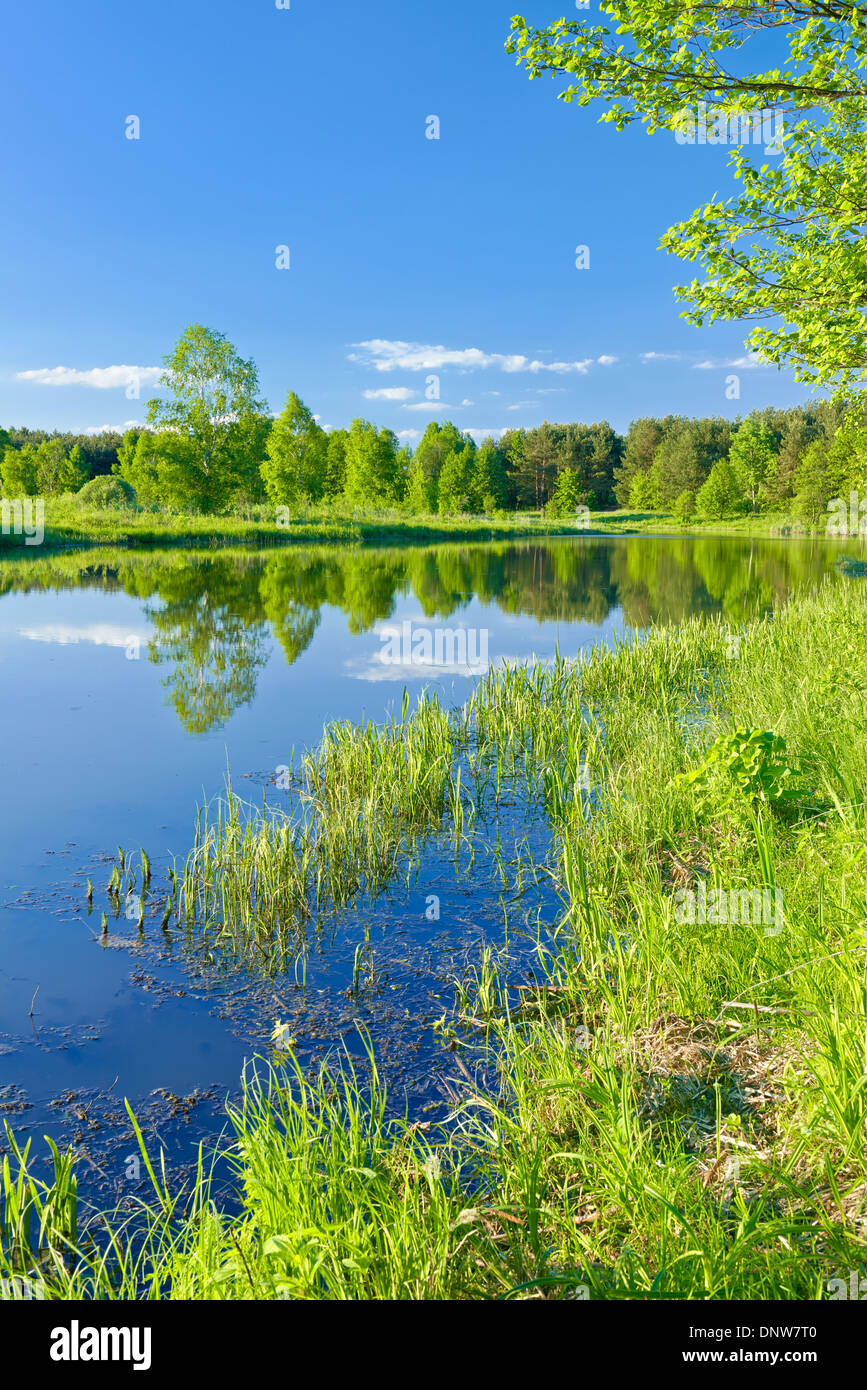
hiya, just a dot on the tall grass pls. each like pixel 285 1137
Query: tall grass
pixel 360 803
pixel 682 1105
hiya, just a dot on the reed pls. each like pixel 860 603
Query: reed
pixel 680 1108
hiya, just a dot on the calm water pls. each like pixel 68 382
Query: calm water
pixel 129 682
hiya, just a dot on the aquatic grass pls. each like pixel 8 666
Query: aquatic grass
pixel 680 1107
pixel 38 1220
pixel 643 716
pixel 361 804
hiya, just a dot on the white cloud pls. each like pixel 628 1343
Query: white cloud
pixel 103 378
pixel 661 356
pixel 409 434
pixel 413 663
pixel 743 363
pixel 100 634
pixel 493 433
pixel 389 356
pixel 429 406
pixel 467 402
pixel 607 361
pixel 115 429
pixel 390 393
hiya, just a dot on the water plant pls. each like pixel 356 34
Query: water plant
pixel 677 1109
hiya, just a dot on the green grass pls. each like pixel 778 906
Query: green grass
pixel 681 1109
pixel 625 521
pixel 69 524
pixel 256 880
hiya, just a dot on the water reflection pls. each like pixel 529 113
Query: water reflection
pixel 210 614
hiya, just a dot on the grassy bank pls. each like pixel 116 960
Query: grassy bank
pixel 627 522
pixel 68 524
pixel 682 1104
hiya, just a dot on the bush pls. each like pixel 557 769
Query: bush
pixel 684 507
pixel 107 494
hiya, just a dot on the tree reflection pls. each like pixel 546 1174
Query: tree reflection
pixel 213 656
pixel 212 615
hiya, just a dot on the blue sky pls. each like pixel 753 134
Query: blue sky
pixel 410 257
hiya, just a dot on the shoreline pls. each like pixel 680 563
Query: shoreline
pixel 106 529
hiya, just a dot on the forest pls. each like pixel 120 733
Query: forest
pixel 212 447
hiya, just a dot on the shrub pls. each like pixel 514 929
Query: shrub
pixel 107 494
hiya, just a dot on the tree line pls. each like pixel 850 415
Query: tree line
pixel 794 460
pixel 212 446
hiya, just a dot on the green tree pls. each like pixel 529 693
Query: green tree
pixel 537 465
pixel 335 466
pixel 20 472
pixel 815 483
pixel 752 458
pixel 684 506
pixel 687 453
pixel 642 441
pixel 678 465
pixel 212 405
pixel 789 249
pixel 847 455
pixel 297 456
pixel 798 433
pixel 488 488
pixel 456 481
pixel 75 472
pixel 57 470
pixel 595 452
pixel 569 494
pixel 403 465
pixel 437 442
pixel 720 495
pixel 162 469
pixel 371 466
pixel 643 492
